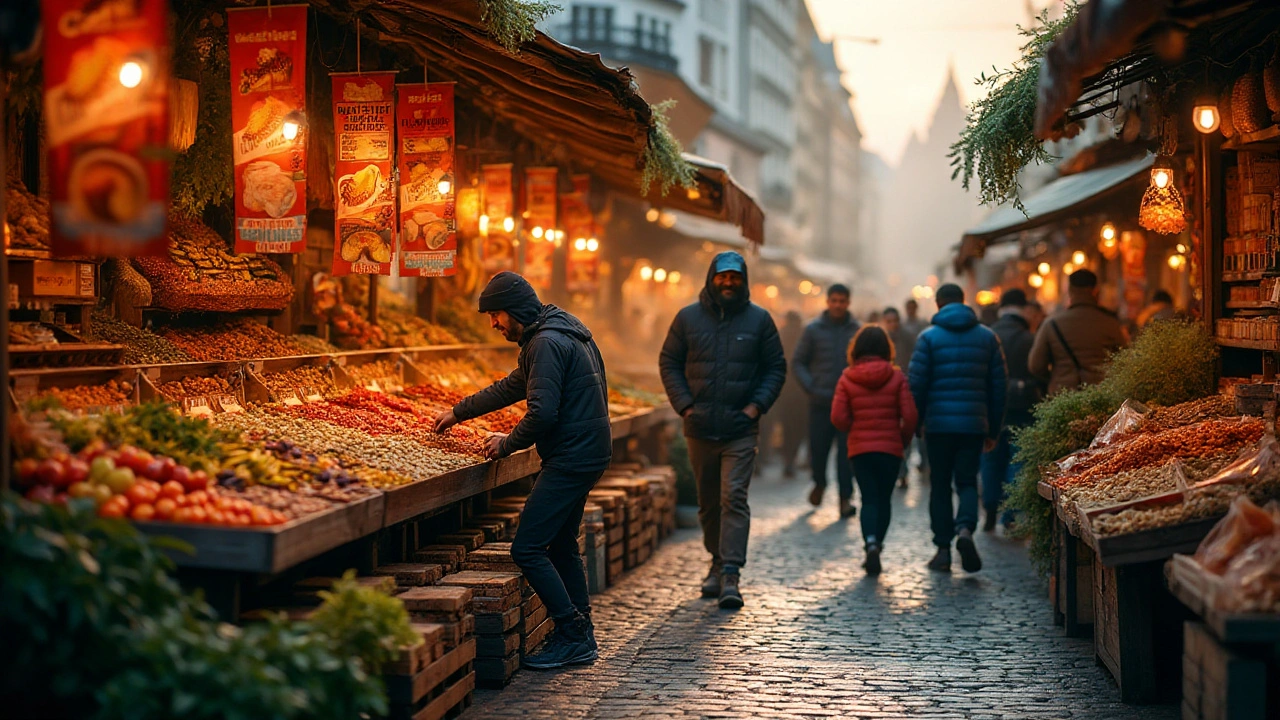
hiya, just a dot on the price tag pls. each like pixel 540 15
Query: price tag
pixel 374 386
pixel 197 407
pixel 229 404
pixel 341 360
pixel 311 395
pixel 1275 293
pixel 290 397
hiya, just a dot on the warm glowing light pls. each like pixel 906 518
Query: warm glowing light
pixel 593 245
pixel 1044 268
pixel 509 224
pixel 289 130
pixel 484 225
pixel 673 277
pixel 1068 268
pixel 1108 232
pixel 646 273
pixel 932 282
pixel 1035 281
pixel 817 290
pixel 652 215
pixel 1182 249
pixel 1206 117
pixel 1078 258
pixel 987 297
pixel 805 287
pixel 1177 262
pixel 667 220
pixel 922 292
pixel 580 244
pixel 1161 178
pixel 444 187
pixel 694 194
pixel 771 292
pixel 536 232
pixel 131 74
pixel 659 275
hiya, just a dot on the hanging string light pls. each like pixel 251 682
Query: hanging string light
pixel 1163 209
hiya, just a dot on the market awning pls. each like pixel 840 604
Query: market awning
pixel 564 99
pixel 825 271
pixel 1113 43
pixel 717 196
pixel 696 227
pixel 1069 195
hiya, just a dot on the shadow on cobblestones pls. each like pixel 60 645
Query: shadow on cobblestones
pixel 819 638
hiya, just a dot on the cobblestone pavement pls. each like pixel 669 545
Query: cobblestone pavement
pixel 818 638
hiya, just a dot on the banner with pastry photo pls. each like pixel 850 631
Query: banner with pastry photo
pixel 364 121
pixel 106 118
pixel 428 207
pixel 497 229
pixel 540 197
pixel 582 258
pixel 268 47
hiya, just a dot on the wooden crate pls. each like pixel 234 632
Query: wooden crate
pixel 441 690
pixel 1137 631
pixel 468 539
pixel 497 646
pixel 1219 683
pixel 497 672
pixel 414 660
pixel 411 574
pixel 1073 581
pixel 530 641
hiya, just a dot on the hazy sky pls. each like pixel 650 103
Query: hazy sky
pixel 897 83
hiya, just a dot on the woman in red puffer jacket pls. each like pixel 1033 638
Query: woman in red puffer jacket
pixel 873 405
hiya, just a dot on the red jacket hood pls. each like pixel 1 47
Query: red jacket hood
pixel 871 373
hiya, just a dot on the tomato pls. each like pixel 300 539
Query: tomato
pixel 165 508
pixel 110 510
pixel 143 512
pixel 199 497
pixel 77 471
pixel 51 472
pixel 278 518
pixel 239 520
pixel 172 490
pixel 140 494
pixel 26 472
pixel 182 515
pixel 243 506
pixel 198 514
pixel 225 503
pixel 217 517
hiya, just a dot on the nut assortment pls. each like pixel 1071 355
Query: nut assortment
pixel 312 345
pixel 84 397
pixel 237 340
pixel 1142 482
pixel 301 379
pixel 27 216
pixel 1167 418
pixel 1199 504
pixel 195 386
pixel 141 347
pixel 365 374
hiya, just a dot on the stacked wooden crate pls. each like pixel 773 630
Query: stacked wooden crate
pixel 662 487
pixel 414 574
pixel 497 603
pixel 595 547
pixel 448 557
pixel 613 505
pixel 443 606
pixel 640 536
pixel 533 623
pixel 431 681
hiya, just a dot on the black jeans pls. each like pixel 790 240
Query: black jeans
pixel 877 474
pixel 954 457
pixel 546 544
pixel 821 435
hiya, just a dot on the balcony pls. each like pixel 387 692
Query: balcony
pixel 626 45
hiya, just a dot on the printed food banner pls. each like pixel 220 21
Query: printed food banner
pixel 428 211
pixel 268 90
pixel 497 253
pixel 364 124
pixel 106 112
pixel 540 207
pixel 582 260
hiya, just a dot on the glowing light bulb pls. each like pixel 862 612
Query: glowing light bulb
pixel 1078 258
pixel 593 245
pixel 659 275
pixel 508 224
pixel 652 215
pixel 646 272
pixel 1177 261
pixel 580 244
pixel 1035 281
pixel 1044 268
pixel 1108 232
pixel 694 194
pixel 771 292
pixel 1207 118
pixel 1161 177
pixel 1068 268
pixel 536 232
pixel 484 224
pixel 1182 249
pixel 673 277
pixel 131 74
pixel 805 287
pixel 444 187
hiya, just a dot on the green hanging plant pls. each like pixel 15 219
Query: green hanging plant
pixel 514 22
pixel 664 161
pixel 999 138
pixel 204 174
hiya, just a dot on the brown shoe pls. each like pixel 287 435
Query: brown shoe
pixel 847 510
pixel 815 495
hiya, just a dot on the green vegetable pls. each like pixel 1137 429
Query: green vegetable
pixel 369 624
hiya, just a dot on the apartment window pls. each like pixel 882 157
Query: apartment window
pixel 706 63
pixel 653 34
pixel 592 23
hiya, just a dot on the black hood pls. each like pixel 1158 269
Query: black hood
pixel 553 318
pixel 708 295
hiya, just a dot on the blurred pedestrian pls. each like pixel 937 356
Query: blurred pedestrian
pixel 560 375
pixel 874 407
pixel 1023 392
pixel 820 357
pixel 904 344
pixel 789 416
pixel 958 380
pixel 723 367
pixel 912 322
pixel 1072 347
pixel 873 317
pixel 1034 314
pixel 912 326
pixel 1161 308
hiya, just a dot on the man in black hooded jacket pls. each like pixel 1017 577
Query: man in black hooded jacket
pixel 723 367
pixel 560 375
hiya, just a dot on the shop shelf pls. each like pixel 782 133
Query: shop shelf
pixel 1253 276
pixel 1263 140
pixel 1273 345
pixel 1251 305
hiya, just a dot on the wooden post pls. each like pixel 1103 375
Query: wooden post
pixel 426 300
pixel 373 299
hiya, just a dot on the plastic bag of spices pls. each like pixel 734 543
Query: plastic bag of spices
pixel 1245 522
pixel 1251 582
pixel 1254 463
pixel 1124 421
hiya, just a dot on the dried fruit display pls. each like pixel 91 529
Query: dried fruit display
pixel 287 502
pixel 367 373
pixel 1200 503
pixel 176 390
pixel 352 331
pixel 404 329
pixel 237 340
pixel 141 347
pixel 201 274
pixel 1187 413
pixel 312 345
pixel 28 217
pixel 84 397
pixel 305 378
pixel 1140 483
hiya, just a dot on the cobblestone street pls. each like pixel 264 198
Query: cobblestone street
pixel 818 638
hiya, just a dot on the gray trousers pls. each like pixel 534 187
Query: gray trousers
pixel 723 471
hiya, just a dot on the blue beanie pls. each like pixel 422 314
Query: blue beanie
pixel 508 291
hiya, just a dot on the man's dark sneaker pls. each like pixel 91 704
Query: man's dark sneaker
pixel 570 644
pixel 711 583
pixel 591 631
pixel 941 562
pixel 730 597
pixel 872 563
pixel 847 509
pixel 815 495
pixel 969 559
pixel 989 523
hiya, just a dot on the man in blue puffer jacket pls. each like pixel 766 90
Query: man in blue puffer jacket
pixel 723 367
pixel 957 377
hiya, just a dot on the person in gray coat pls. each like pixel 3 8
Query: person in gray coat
pixel 819 359
pixel 723 367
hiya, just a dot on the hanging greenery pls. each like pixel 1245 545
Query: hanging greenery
pixel 999 139
pixel 204 173
pixel 664 161
pixel 514 22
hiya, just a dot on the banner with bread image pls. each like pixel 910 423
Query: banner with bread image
pixel 497 225
pixel 364 123
pixel 106 122
pixel 428 207
pixel 268 90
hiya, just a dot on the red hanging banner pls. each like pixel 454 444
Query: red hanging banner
pixel 364 201
pixel 106 114
pixel 428 208
pixel 499 224
pixel 268 89
pixel 582 259
pixel 540 225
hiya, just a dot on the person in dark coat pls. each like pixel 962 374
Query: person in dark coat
pixel 1024 391
pixel 904 344
pixel 820 357
pixel 790 414
pixel 958 381
pixel 723 367
pixel 561 376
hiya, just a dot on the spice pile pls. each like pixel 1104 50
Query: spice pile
pixel 28 217
pixel 303 380
pixel 140 346
pixel 312 345
pixel 86 397
pixel 1142 482
pixel 377 371
pixel 236 340
pixel 176 390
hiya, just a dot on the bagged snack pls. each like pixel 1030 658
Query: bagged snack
pixel 1245 522
pixel 1255 463
pixel 1125 420
pixel 1251 582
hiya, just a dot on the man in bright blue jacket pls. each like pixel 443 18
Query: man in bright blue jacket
pixel 957 375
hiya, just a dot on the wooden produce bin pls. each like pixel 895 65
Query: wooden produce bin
pixel 152 377
pixel 258 390
pixel 27 384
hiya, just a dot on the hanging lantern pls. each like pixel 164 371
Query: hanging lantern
pixel 1162 208
pixel 1109 241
